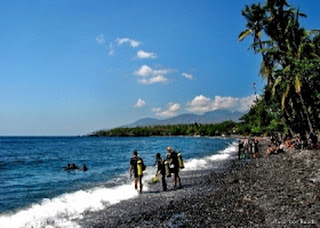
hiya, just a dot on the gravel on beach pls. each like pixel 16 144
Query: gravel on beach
pixel 282 190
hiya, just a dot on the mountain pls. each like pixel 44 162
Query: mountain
pixel 216 116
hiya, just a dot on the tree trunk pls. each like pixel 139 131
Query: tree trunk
pixel 286 120
pixel 305 112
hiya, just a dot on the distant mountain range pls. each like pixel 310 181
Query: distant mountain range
pixel 216 116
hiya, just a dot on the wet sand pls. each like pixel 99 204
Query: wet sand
pixel 282 190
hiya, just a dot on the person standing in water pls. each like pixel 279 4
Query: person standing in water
pixel 136 167
pixel 161 170
pixel 174 166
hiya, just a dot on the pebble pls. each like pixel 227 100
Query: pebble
pixel 282 190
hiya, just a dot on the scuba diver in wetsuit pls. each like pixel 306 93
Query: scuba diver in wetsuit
pixel 137 167
pixel 161 169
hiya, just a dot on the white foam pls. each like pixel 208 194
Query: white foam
pixel 62 210
pixel 196 164
pixel 59 211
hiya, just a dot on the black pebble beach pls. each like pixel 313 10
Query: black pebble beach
pixel 282 190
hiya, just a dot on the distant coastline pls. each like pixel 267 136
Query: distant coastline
pixel 219 129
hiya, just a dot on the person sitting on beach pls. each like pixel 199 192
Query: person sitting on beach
pixel 161 170
pixel 134 168
pixel 270 150
pixel 174 166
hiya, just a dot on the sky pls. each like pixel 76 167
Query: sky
pixel 77 66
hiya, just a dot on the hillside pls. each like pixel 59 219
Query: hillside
pixel 216 116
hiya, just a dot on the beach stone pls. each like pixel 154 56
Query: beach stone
pixel 282 190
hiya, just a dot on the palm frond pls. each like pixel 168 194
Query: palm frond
pixel 284 96
pixel 275 84
pixel 297 83
pixel 244 34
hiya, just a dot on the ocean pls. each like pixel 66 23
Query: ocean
pixel 36 191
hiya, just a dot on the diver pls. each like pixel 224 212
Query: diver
pixel 161 169
pixel 174 166
pixel 84 168
pixel 71 167
pixel 136 166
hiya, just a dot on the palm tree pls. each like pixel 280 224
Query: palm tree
pixel 288 44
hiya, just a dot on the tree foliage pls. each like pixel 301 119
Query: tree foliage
pixel 290 63
pixel 218 129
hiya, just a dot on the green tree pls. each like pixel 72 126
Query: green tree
pixel 290 61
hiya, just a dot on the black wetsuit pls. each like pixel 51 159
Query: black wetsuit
pixel 133 162
pixel 175 162
pixel 162 170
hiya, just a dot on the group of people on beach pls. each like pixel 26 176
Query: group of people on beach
pixel 165 167
pixel 248 148
pixel 279 145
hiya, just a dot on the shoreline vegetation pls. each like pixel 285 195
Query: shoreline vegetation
pixel 218 129
pixel 281 190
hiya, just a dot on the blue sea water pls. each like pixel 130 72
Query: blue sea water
pixel 35 189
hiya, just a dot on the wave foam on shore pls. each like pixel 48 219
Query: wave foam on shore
pixel 63 210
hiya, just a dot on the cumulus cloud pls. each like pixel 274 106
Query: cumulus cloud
pixel 188 76
pixel 146 55
pixel 171 110
pixel 152 80
pixel 150 76
pixel 204 104
pixel 100 39
pixel 140 103
pixel 133 43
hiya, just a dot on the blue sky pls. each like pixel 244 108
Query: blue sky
pixel 73 67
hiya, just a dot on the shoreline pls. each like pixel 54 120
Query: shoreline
pixel 279 191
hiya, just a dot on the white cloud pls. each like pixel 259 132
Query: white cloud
pixel 188 76
pixel 156 109
pixel 172 110
pixel 246 102
pixel 146 55
pixel 140 103
pixel 152 80
pixel 111 49
pixel 144 71
pixel 100 39
pixel 203 104
pixel 150 76
pixel 133 43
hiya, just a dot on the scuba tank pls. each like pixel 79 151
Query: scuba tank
pixel 166 166
pixel 139 167
pixel 180 160
pixel 156 178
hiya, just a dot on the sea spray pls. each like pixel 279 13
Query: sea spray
pixel 202 163
pixel 65 209
pixel 59 211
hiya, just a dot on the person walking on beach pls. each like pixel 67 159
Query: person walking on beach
pixel 174 166
pixel 240 149
pixel 136 167
pixel 161 169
